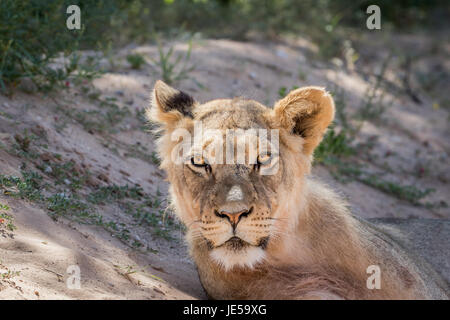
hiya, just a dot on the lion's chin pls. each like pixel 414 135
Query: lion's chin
pixel 246 257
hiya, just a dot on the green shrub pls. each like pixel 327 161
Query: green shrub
pixel 333 145
pixel 34 32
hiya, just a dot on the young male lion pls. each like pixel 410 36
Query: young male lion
pixel 261 228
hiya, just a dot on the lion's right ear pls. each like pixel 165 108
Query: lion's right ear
pixel 306 112
pixel 169 105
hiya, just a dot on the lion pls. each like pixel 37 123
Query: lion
pixel 264 228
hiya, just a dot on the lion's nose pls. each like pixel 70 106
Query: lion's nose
pixel 234 217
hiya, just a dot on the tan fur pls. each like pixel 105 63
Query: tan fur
pixel 314 248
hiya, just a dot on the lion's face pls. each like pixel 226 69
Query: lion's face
pixel 233 165
pixel 232 200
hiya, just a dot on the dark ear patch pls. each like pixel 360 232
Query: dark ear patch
pixel 167 99
pixel 302 126
pixel 181 102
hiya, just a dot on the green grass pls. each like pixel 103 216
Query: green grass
pixel 4 207
pixel 346 170
pixel 283 91
pixel 29 187
pixel 65 173
pixel 6 219
pixel 408 193
pixel 337 153
pixel 373 105
pixel 136 60
pixel 155 159
pixel 22 146
pixel 144 124
pixel 333 145
pixel 144 208
pixel 336 142
pixel 105 119
pixel 115 192
pixel 70 206
pixel 137 151
pixel 9 274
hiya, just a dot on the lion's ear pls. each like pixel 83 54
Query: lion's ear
pixel 307 112
pixel 169 105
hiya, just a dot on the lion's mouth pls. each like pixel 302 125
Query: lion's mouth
pixel 236 243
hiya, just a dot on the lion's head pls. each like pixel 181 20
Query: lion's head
pixel 233 165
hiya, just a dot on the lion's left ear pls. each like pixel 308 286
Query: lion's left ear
pixel 169 105
pixel 308 112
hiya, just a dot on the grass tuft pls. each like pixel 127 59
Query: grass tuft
pixel 136 60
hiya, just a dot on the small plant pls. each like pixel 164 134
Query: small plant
pixel 6 219
pixel 333 145
pixel 283 91
pixel 373 105
pixel 108 52
pixel 4 207
pixel 104 120
pixel 345 172
pixel 136 60
pixel 404 192
pixel 9 274
pixel 144 208
pixel 302 75
pixel 139 151
pixel 173 70
pixel 29 187
pixel 67 173
pixel 155 158
pixel 144 124
pixel 67 205
pixel 22 145
pixel 335 152
pixel 115 192
pixel 336 144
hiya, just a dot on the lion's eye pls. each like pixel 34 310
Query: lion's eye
pixel 263 159
pixel 199 162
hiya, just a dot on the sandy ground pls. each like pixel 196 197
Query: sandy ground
pixel 411 140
